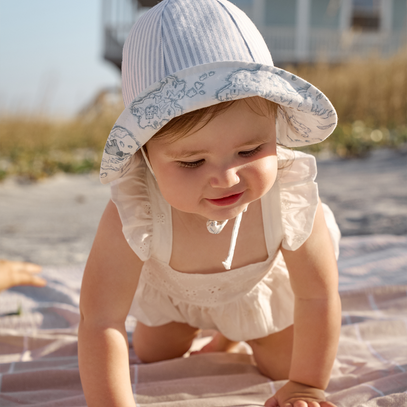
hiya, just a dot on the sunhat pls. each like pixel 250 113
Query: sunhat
pixel 184 55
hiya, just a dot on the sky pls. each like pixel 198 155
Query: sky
pixel 51 56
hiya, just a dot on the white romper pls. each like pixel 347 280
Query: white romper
pixel 244 303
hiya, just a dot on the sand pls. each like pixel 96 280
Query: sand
pixel 367 196
pixel 53 222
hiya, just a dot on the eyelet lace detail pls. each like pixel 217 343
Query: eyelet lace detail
pixel 144 246
pixel 147 209
pixel 203 289
pixel 160 218
pixel 285 204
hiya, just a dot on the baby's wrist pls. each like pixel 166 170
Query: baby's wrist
pixel 295 387
pixel 304 385
pixel 310 380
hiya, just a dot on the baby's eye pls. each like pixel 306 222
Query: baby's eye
pixel 190 164
pixel 250 152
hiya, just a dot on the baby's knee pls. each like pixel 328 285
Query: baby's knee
pixel 169 341
pixel 283 338
pixel 149 352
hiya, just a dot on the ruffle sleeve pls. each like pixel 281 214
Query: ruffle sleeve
pixel 131 197
pixel 298 196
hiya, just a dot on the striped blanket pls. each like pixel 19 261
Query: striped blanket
pixel 38 344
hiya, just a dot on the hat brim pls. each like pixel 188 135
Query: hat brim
pixel 305 116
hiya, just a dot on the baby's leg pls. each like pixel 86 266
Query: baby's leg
pixel 219 343
pixel 169 341
pixel 273 353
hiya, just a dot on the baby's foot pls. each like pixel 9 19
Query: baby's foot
pixel 218 344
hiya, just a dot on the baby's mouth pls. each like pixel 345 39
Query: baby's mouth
pixel 227 200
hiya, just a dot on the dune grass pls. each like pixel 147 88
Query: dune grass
pixel 373 90
pixel 370 97
pixel 36 147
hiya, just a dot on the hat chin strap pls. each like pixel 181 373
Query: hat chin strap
pixel 147 162
pixel 213 226
pixel 216 227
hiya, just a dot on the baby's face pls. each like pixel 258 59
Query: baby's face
pixel 218 170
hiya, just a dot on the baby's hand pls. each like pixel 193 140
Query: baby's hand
pixel 19 273
pixel 294 394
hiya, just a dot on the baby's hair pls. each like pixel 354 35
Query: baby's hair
pixel 178 127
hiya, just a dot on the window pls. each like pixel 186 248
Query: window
pixel 366 15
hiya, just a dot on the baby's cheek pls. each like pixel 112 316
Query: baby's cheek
pixel 178 194
pixel 268 172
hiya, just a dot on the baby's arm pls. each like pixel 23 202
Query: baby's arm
pixel 109 283
pixel 317 317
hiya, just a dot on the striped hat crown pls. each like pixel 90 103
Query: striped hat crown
pixel 179 34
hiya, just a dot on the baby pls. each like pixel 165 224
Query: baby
pixel 13 273
pixel 212 223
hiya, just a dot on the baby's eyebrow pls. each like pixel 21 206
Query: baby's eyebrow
pixel 257 140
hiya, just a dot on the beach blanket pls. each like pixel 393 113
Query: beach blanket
pixel 38 343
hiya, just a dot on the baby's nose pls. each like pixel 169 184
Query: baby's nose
pixel 225 178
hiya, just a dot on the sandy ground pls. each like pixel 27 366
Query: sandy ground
pixel 367 196
pixel 53 222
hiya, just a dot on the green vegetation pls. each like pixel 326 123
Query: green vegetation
pixel 369 96
pixel 357 139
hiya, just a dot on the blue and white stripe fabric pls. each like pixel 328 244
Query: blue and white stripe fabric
pixel 176 35
pixel 184 55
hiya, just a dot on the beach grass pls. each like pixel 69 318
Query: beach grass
pixel 369 96
pixel 372 90
pixel 37 147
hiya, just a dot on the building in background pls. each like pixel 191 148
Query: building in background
pixel 296 31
